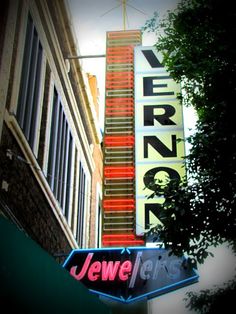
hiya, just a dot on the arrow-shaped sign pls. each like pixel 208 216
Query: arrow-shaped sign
pixel 128 274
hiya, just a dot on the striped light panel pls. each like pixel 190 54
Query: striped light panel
pixel 119 173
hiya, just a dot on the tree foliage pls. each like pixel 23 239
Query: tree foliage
pixel 213 301
pixel 198 48
pixel 197 42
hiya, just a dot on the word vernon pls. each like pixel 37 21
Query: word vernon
pixel 117 270
pixel 158 128
pixel 128 274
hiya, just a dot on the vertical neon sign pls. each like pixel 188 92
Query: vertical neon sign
pixel 158 126
pixel 119 141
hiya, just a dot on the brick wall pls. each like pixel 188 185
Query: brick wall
pixel 26 200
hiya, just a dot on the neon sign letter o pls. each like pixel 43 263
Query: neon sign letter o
pixel 149 176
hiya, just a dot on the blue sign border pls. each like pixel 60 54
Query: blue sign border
pixel 149 295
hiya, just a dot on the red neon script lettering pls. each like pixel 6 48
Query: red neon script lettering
pixel 94 270
pixel 109 270
pixel 125 270
pixel 104 270
pixel 83 271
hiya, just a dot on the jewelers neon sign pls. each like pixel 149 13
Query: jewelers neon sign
pixel 128 274
pixel 102 270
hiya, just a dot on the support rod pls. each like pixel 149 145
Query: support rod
pixel 87 56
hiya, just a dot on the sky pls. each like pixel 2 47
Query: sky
pixel 91 19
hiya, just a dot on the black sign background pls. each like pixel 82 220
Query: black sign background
pixel 167 272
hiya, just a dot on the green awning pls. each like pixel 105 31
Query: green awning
pixel 32 282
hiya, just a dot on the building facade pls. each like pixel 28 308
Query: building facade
pixel 50 155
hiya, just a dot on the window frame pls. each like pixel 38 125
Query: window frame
pixel 32 71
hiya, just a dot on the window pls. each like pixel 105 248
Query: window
pixel 59 173
pixel 99 225
pixel 30 85
pixel 44 121
pixel 81 205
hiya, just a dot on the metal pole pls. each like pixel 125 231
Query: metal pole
pixel 124 13
pixel 83 57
